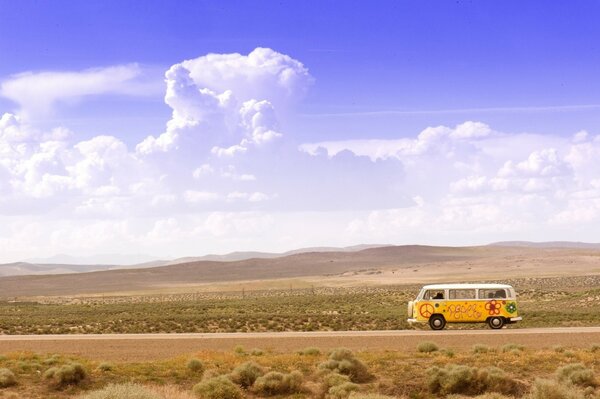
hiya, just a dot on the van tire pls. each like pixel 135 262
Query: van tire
pixel 437 322
pixel 496 323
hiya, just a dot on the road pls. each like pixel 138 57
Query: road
pixel 146 347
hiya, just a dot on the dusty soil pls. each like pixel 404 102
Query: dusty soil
pixel 147 347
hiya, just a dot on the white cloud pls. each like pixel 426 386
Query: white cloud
pixel 37 93
pixel 193 196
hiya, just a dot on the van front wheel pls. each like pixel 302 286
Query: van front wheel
pixel 437 322
pixel 496 323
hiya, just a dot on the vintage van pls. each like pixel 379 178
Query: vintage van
pixel 494 304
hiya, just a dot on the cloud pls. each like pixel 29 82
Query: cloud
pixel 38 92
pixel 227 103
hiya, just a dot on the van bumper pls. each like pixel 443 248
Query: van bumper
pixel 515 319
pixel 412 321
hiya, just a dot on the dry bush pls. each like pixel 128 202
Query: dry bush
pixel 105 366
pixel 257 352
pixel 467 380
pixel 69 374
pixel 550 389
pixel 246 373
pixel 427 347
pixel 170 392
pixel 513 348
pixel 276 383
pixel 7 378
pixel 195 366
pixel 343 361
pixel 310 352
pixel 219 387
pixel 356 395
pixel 489 395
pixel 122 391
pixel 576 374
pixel 342 391
pixel 480 348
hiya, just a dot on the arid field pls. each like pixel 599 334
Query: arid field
pixel 287 321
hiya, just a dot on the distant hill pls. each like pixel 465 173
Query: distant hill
pixel 548 244
pixel 295 265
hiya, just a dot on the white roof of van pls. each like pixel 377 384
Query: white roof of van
pixel 465 286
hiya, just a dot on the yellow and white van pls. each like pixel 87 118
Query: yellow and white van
pixel 494 304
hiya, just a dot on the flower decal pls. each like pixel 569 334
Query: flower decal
pixel 493 307
pixel 511 307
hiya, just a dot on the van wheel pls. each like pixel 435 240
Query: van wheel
pixel 437 322
pixel 496 323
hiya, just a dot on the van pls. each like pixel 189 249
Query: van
pixel 494 304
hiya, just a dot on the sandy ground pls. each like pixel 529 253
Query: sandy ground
pixel 147 347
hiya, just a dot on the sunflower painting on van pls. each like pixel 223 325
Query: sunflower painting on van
pixel 439 304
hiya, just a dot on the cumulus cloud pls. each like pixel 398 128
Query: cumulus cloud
pixel 38 92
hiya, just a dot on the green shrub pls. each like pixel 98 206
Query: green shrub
pixel 467 380
pixel 342 391
pixel 245 374
pixel 7 378
pixel 257 352
pixel 595 348
pixel 550 389
pixel 219 387
pixel 195 365
pixel 343 361
pixel 310 352
pixel 51 361
pixel 333 379
pixel 69 374
pixel 276 383
pixel 427 347
pixel 239 349
pixel 576 374
pixel 122 391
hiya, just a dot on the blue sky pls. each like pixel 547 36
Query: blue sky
pixel 509 86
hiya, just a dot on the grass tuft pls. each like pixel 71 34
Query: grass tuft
pixel 427 347
pixel 122 391
pixel 219 387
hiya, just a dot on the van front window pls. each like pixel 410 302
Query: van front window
pixel 433 294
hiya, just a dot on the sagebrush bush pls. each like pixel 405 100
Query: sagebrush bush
pixel 427 347
pixel 257 352
pixel 105 366
pixel 343 361
pixel 514 348
pixel 310 352
pixel 276 383
pixel 7 378
pixel 69 374
pixel 356 395
pixel 195 366
pixel 122 391
pixel 246 373
pixel 333 379
pixel 219 387
pixel 480 348
pixel 342 391
pixel 551 389
pixel 489 395
pixel 576 374
pixel 467 380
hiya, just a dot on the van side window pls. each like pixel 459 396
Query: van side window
pixel 492 294
pixel 462 294
pixel 434 294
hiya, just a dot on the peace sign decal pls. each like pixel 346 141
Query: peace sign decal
pixel 426 309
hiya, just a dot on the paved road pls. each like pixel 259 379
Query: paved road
pixel 142 347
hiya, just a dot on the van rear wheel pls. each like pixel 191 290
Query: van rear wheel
pixel 496 323
pixel 437 322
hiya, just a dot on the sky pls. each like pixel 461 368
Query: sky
pixel 184 128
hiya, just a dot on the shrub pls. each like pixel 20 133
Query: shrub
pixel 275 383
pixel 245 374
pixel 480 348
pixel 514 348
pixel 550 389
pixel 257 352
pixel 219 387
pixel 7 378
pixel 558 348
pixel 105 366
pixel 239 349
pixel 122 391
pixel 333 379
pixel 69 374
pixel 489 395
pixel 470 380
pixel 427 347
pixel 310 352
pixel 343 361
pixel 195 365
pixel 51 361
pixel 343 390
pixel 595 348
pixel 355 395
pixel 576 374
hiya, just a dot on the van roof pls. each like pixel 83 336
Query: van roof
pixel 465 286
